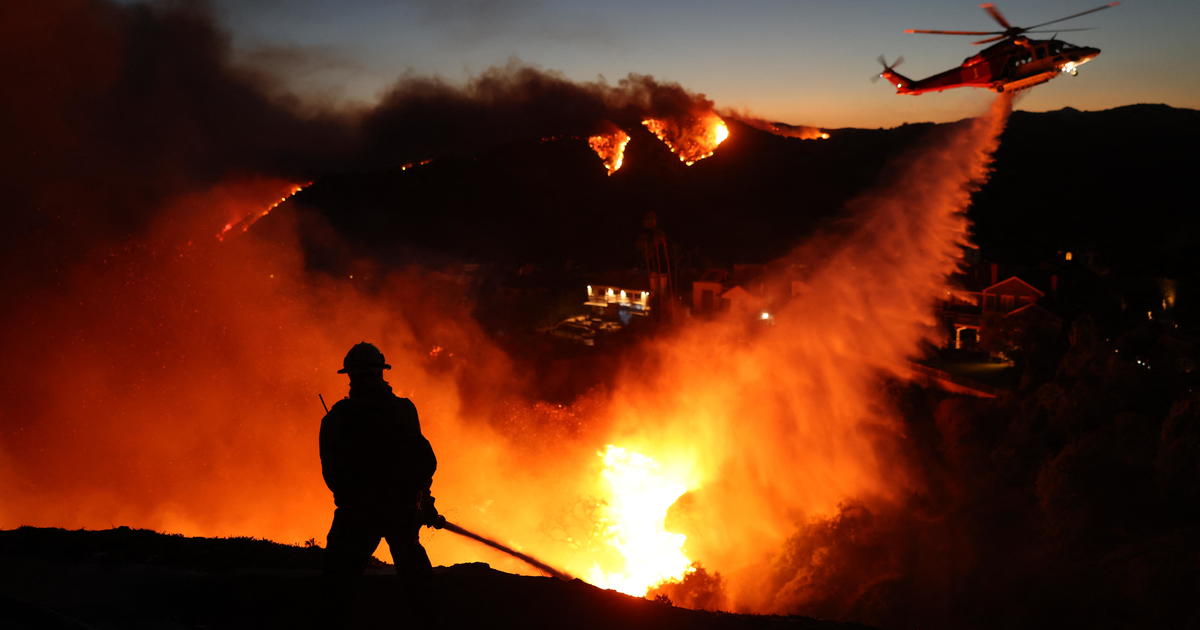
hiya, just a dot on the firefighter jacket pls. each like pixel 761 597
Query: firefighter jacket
pixel 373 455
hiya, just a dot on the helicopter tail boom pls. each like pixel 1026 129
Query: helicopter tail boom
pixel 901 82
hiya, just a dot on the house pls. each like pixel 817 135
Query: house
pixel 966 313
pixel 610 297
pixel 740 300
pixel 1009 295
pixel 746 288
pixel 620 295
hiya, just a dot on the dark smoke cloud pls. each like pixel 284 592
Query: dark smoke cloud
pixel 111 110
pixel 116 110
pixel 421 117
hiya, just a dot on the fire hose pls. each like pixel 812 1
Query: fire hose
pixel 526 558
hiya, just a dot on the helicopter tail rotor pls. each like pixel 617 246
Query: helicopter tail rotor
pixel 886 66
pixel 895 78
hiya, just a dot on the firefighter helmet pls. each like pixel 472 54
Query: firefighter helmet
pixel 363 357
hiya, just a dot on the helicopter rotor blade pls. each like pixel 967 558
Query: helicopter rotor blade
pixel 990 40
pixel 996 15
pixel 1062 30
pixel 929 32
pixel 883 61
pixel 1100 8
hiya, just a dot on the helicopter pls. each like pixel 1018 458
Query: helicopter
pixel 1015 62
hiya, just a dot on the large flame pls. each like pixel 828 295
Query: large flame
pixel 692 138
pixel 640 491
pixel 611 148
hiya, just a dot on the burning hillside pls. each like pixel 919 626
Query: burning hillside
pixel 169 380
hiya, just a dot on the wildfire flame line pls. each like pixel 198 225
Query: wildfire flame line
pixel 411 165
pixel 690 142
pixel 611 149
pixel 245 222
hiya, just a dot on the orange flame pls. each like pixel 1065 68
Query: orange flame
pixel 411 165
pixel 692 139
pixel 640 491
pixel 611 149
pixel 246 221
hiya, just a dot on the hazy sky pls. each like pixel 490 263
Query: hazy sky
pixel 800 61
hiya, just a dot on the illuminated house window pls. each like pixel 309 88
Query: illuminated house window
pixel 1068 256
pixel 609 296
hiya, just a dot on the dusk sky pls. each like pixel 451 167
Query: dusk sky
pixel 799 61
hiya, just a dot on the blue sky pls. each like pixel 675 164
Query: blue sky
pixel 801 61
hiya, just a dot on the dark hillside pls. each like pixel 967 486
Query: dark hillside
pixel 123 578
pixel 1115 183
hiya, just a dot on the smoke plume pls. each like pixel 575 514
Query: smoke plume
pixel 422 117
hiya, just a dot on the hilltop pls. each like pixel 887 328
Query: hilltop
pixel 131 578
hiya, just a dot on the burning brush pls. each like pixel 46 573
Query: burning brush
pixel 611 148
pixel 693 138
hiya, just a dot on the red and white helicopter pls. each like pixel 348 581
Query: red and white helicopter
pixel 1014 63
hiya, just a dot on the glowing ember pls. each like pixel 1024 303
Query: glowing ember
pixel 692 140
pixel 411 165
pixel 611 149
pixel 245 222
pixel 641 493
